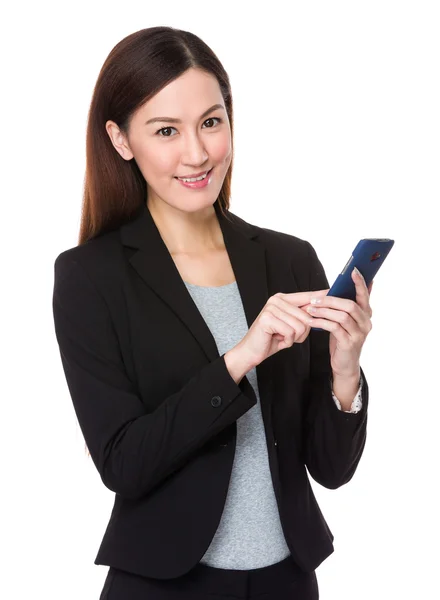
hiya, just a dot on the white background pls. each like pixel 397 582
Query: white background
pixel 337 129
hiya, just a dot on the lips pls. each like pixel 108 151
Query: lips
pixel 195 175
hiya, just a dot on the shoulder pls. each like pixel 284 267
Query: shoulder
pixel 298 255
pixel 98 258
pixel 278 241
pixel 285 241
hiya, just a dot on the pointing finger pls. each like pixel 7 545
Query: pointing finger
pixel 303 298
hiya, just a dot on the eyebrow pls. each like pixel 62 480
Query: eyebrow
pixel 174 120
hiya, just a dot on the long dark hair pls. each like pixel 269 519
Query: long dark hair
pixel 136 69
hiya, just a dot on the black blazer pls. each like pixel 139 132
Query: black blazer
pixel 158 408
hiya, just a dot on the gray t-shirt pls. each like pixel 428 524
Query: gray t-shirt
pixel 249 535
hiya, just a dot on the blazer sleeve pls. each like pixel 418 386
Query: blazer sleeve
pixel 334 439
pixel 132 449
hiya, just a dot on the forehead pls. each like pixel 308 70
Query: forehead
pixel 188 95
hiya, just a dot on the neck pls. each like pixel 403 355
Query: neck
pixel 187 233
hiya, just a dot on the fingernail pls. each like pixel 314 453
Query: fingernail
pixel 315 301
pixel 357 272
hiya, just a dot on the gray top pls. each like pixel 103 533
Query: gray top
pixel 249 535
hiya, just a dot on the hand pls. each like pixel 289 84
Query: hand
pixel 280 324
pixel 349 324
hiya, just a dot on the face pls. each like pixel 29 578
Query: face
pixel 165 149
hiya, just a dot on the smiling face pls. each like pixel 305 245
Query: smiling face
pixel 183 130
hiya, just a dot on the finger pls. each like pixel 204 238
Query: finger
pixel 341 335
pixel 335 302
pixel 281 330
pixel 345 320
pixel 298 325
pixel 362 293
pixel 343 311
pixel 360 309
pixel 303 298
pixel 297 312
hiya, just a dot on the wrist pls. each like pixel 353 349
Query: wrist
pixel 355 374
pixel 237 363
pixel 345 388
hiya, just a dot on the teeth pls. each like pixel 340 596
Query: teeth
pixel 193 178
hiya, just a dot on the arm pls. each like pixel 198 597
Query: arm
pixel 334 439
pixel 133 450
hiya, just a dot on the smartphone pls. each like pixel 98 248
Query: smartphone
pixel 368 257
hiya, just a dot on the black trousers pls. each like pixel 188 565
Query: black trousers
pixel 281 581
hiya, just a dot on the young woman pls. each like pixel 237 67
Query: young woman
pixel 185 337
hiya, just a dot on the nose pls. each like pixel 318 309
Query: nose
pixel 194 153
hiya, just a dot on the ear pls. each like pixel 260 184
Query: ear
pixel 119 140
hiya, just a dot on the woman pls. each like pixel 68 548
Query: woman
pixel 171 315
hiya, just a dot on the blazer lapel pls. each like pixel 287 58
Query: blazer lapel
pixel 155 266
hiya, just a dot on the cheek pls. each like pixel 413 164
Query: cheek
pixel 153 162
pixel 221 149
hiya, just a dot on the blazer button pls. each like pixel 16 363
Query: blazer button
pixel 216 401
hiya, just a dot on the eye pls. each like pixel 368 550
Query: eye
pixel 158 132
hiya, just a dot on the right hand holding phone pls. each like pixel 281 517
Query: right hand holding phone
pixel 282 322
